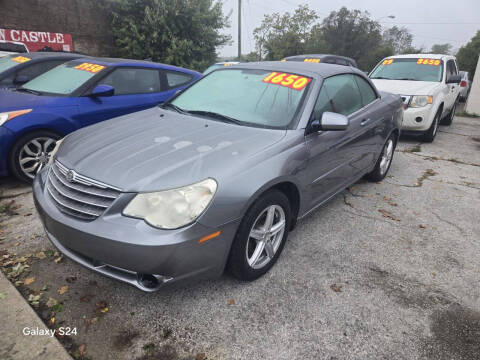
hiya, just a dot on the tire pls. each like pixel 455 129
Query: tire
pixel 249 259
pixel 384 160
pixel 449 119
pixel 36 146
pixel 429 135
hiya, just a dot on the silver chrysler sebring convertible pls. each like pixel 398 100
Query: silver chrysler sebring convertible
pixel 217 176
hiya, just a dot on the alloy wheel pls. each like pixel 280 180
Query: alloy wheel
pixel 265 236
pixel 35 154
pixel 386 156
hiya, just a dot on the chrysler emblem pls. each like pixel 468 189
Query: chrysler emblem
pixel 70 175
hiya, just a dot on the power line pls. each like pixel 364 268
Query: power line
pixel 428 23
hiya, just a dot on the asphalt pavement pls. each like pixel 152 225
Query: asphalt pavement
pixel 386 270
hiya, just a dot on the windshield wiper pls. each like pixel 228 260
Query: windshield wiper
pixel 29 91
pixel 174 107
pixel 409 79
pixel 215 115
pixel 381 77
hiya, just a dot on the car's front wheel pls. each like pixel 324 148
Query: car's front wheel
pixel 261 236
pixel 449 119
pixel 31 153
pixel 429 135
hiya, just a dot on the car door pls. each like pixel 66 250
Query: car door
pixel 334 155
pixel 136 89
pixel 453 89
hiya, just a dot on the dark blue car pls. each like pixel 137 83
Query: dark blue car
pixel 73 95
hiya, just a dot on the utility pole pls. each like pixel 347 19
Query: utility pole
pixel 239 29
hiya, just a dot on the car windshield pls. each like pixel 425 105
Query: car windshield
pixel 9 61
pixel 409 69
pixel 64 79
pixel 247 97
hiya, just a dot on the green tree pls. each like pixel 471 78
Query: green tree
pixel 467 56
pixel 441 49
pixel 279 36
pixel 179 32
pixel 399 39
pixel 353 33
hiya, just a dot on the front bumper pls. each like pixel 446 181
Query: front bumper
pixel 418 119
pixel 6 139
pixel 128 249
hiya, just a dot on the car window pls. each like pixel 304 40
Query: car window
pixel 10 61
pixel 322 104
pixel 451 68
pixel 175 78
pixel 64 79
pixel 343 93
pixel 408 69
pixel 34 70
pixel 127 81
pixel 251 96
pixel 366 90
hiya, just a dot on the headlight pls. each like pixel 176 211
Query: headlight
pixel 421 101
pixel 54 151
pixel 174 208
pixel 12 114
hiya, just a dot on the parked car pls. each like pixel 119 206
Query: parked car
pixel 428 85
pixel 217 175
pixel 12 47
pixel 465 84
pixel 220 65
pixel 323 58
pixel 18 69
pixel 73 95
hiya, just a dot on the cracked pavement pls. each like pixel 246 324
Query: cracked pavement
pixel 386 270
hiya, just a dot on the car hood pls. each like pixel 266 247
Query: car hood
pixel 158 149
pixel 15 100
pixel 406 87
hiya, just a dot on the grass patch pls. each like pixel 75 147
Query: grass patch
pixel 58 307
pixel 467 114
pixel 148 347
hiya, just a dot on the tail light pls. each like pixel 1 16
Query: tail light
pixel 463 83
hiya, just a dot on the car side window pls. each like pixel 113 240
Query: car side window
pixel 34 70
pixel 129 81
pixel 176 78
pixel 322 104
pixel 343 93
pixel 366 90
pixel 451 68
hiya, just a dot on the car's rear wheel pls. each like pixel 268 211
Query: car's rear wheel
pixel 384 161
pixel 261 236
pixel 31 153
pixel 429 135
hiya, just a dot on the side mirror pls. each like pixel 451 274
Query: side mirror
pixel 102 90
pixel 330 122
pixel 454 79
pixel 21 79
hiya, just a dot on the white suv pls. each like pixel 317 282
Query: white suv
pixel 428 85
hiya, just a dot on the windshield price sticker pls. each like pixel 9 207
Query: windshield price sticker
pixel 93 68
pixel 433 62
pixel 312 60
pixel 21 59
pixel 295 82
pixel 387 62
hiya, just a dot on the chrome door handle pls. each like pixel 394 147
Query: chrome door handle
pixel 364 122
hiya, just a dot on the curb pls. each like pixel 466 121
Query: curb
pixel 16 315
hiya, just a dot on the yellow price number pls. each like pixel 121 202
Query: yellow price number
pixel 295 82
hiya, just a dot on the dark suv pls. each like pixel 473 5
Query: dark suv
pixel 324 58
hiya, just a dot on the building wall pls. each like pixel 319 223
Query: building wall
pixel 86 20
pixel 473 101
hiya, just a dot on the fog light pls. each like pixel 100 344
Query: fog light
pixel 418 119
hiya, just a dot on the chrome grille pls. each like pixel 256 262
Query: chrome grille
pixel 77 195
pixel 405 99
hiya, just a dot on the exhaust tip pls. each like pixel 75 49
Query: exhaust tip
pixel 148 281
